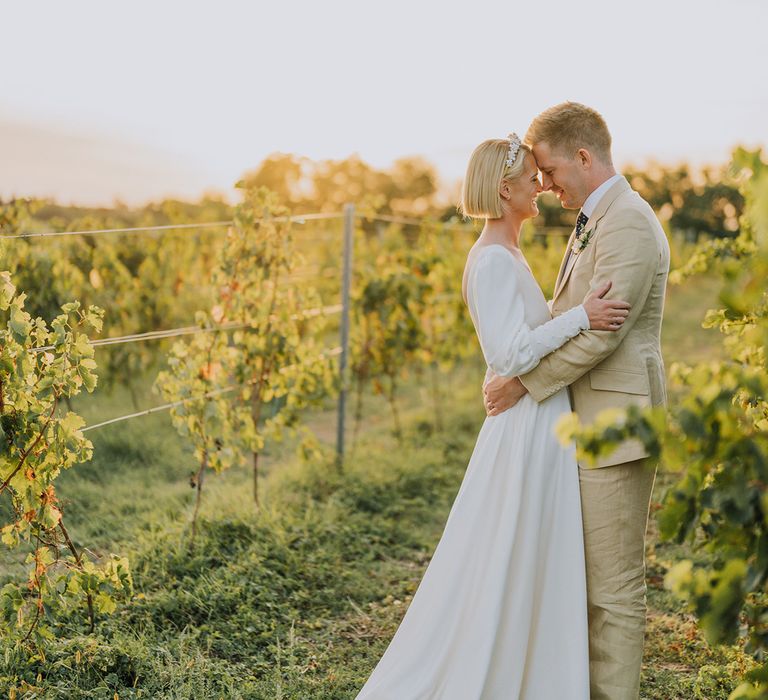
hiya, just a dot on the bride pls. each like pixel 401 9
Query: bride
pixel 500 613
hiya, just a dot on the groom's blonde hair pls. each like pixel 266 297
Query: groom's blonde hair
pixel 487 167
pixel 569 126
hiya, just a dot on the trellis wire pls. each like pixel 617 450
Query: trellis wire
pixel 167 406
pixel 299 219
pixel 190 330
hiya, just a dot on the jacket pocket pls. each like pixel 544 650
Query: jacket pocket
pixel 619 380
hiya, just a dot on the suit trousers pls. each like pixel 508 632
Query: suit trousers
pixel 615 502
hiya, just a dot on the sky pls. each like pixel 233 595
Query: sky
pixel 134 101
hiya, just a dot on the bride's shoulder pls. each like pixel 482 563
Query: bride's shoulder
pixel 487 253
pixel 493 263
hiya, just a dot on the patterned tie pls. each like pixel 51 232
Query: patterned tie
pixel 581 222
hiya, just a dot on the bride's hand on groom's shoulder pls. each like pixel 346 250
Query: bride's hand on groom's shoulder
pixel 501 393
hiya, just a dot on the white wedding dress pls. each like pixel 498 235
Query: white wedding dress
pixel 501 613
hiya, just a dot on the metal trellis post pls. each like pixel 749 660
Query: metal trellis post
pixel 349 227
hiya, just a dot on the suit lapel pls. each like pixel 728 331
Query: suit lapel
pixel 566 259
pixel 565 267
pixel 600 210
pixel 567 272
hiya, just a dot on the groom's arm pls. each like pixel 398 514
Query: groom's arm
pixel 627 254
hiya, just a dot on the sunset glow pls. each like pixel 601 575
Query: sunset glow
pixel 147 99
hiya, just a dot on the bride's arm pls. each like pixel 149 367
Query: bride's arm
pixel 509 345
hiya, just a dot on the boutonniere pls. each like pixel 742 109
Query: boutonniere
pixel 581 242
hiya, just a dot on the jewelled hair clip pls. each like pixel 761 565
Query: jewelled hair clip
pixel 514 147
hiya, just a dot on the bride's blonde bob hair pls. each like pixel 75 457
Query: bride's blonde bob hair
pixel 487 167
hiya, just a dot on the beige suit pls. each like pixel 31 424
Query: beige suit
pixel 606 369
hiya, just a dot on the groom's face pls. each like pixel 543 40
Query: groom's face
pixel 561 175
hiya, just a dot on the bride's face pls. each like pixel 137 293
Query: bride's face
pixel 524 190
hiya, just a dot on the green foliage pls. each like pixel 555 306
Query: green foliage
pixel 149 282
pixel 39 366
pixel 15 215
pixel 408 313
pixel 278 359
pixel 222 385
pixel 195 381
pixel 387 331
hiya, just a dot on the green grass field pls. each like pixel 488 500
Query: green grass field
pixel 300 599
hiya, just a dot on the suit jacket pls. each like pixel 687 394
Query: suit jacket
pixel 612 369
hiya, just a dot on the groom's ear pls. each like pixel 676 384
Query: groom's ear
pixel 584 158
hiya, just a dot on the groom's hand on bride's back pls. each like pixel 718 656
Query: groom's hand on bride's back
pixel 501 393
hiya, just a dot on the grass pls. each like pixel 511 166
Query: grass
pixel 301 599
pixel 262 595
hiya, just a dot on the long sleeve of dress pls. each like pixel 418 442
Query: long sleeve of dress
pixel 509 345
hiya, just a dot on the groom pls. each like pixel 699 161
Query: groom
pixel 617 238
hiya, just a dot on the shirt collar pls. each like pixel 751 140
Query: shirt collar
pixel 594 198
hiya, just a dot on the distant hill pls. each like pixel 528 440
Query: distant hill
pixel 73 166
